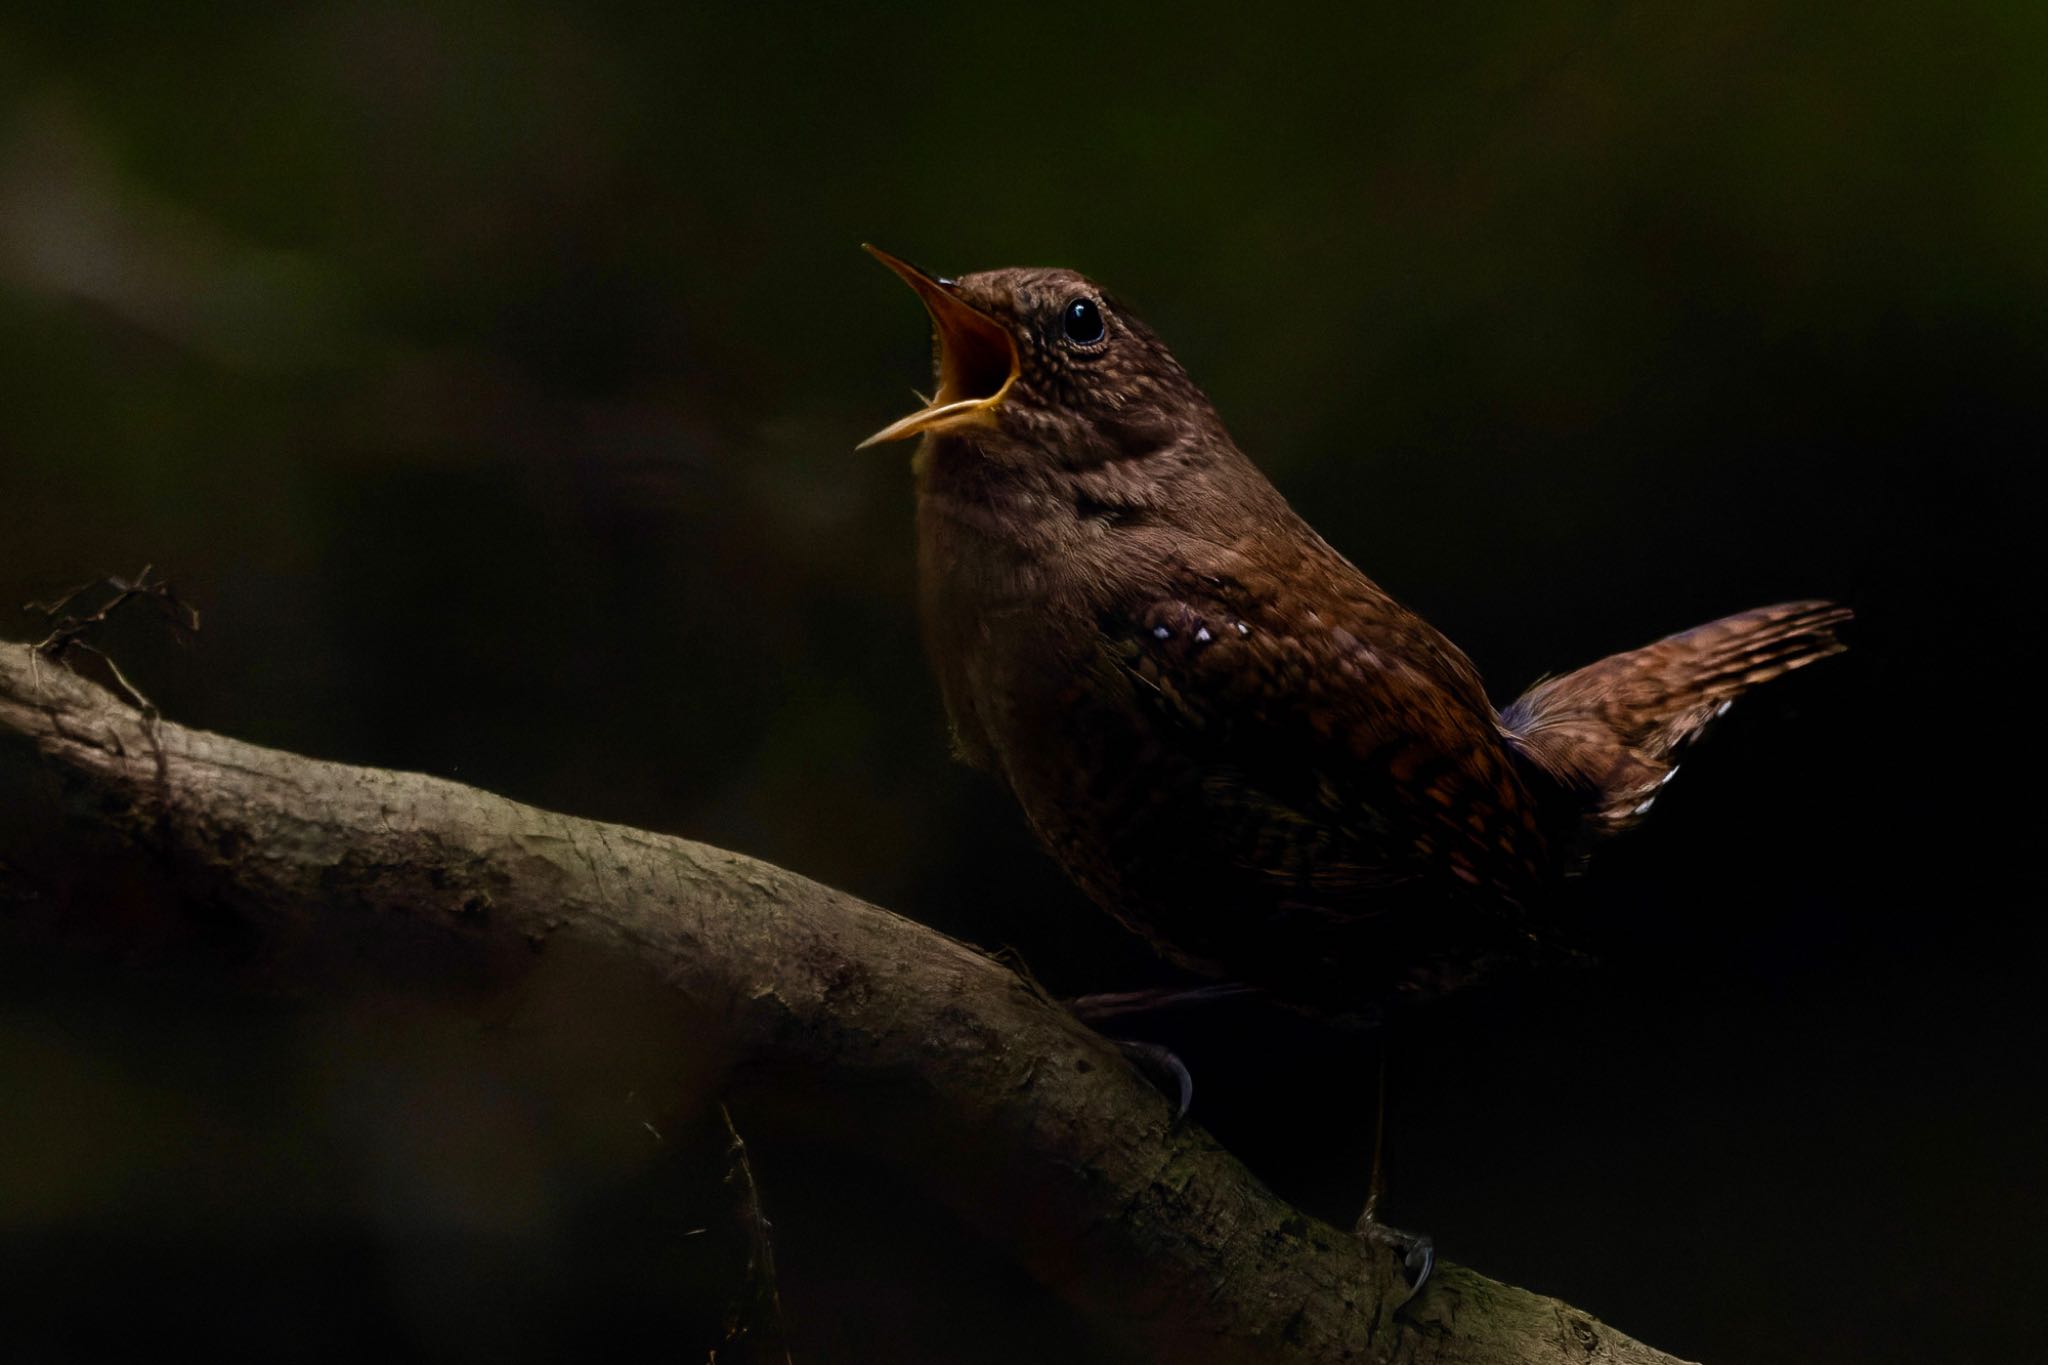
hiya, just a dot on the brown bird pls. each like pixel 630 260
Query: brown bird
pixel 1232 739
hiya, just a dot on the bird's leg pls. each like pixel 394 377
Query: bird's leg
pixel 1093 1009
pixel 1416 1250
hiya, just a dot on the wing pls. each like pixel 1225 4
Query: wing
pixel 1343 746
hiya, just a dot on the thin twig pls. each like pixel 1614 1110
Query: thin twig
pixel 754 1320
pixel 68 629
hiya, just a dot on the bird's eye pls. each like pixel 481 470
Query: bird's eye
pixel 1083 322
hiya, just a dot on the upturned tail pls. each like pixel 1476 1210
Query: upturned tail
pixel 1611 729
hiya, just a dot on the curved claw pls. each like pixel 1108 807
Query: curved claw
pixel 1417 1265
pixel 1416 1250
pixel 1168 1074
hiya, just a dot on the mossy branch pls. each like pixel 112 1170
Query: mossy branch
pixel 925 1051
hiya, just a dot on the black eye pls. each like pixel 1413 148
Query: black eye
pixel 1083 322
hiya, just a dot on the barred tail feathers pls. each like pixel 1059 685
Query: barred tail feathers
pixel 1612 728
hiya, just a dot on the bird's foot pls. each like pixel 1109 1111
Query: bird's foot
pixel 1157 1064
pixel 1417 1251
pixel 1167 1073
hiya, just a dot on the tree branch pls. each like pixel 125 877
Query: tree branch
pixel 925 1052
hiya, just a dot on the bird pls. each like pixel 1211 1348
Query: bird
pixel 1230 738
pixel 1227 735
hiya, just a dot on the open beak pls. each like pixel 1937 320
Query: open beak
pixel 977 359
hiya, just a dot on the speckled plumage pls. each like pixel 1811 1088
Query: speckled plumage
pixel 1231 738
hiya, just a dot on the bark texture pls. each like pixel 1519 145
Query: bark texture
pixel 910 1045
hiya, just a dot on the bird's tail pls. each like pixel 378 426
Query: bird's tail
pixel 1612 728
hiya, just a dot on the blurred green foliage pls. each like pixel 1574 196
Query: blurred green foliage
pixel 489 373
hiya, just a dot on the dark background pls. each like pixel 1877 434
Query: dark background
pixel 488 375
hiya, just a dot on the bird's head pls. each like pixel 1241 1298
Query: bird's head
pixel 1041 367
